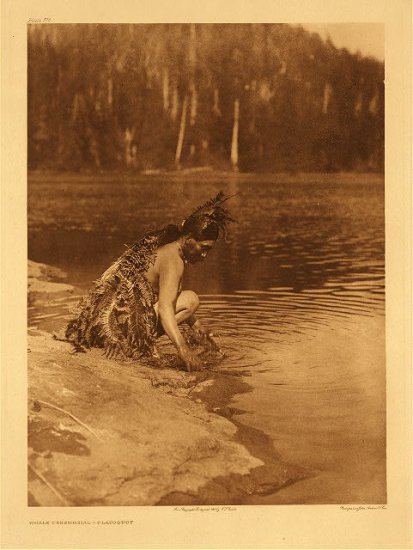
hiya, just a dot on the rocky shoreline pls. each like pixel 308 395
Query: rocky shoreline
pixel 108 433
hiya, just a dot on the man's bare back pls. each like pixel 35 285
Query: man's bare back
pixel 168 256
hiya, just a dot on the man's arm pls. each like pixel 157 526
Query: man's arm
pixel 170 274
pixel 171 269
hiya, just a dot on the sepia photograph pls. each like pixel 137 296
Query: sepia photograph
pixel 206 276
pixel 206 264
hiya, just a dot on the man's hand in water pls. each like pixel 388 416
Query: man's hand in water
pixel 191 359
pixel 205 337
pixel 209 343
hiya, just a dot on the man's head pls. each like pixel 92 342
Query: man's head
pixel 196 251
pixel 200 236
pixel 202 228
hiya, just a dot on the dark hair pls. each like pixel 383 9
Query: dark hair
pixel 200 228
pixel 204 224
pixel 167 234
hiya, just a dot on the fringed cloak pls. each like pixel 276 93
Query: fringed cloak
pixel 118 313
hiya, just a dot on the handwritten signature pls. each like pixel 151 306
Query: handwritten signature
pixel 359 508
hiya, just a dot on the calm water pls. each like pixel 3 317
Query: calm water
pixel 296 292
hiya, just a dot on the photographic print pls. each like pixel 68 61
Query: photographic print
pixel 206 291
pixel 206 275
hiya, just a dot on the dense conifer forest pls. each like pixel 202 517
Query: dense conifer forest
pixel 256 97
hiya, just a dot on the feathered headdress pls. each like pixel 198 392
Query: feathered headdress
pixel 212 212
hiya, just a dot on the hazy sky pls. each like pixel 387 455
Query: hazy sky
pixel 368 38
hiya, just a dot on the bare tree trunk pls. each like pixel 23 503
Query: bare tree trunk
pixel 192 87
pixel 194 104
pixel 234 142
pixel 215 108
pixel 181 134
pixel 165 89
pixel 129 155
pixel 374 103
pixel 110 92
pixel 192 64
pixel 328 90
pixel 174 106
pixel 55 108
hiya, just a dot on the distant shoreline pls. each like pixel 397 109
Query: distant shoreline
pixel 204 173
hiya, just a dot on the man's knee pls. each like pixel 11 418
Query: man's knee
pixel 192 300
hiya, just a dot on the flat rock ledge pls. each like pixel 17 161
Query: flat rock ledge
pixel 107 433
pixel 44 281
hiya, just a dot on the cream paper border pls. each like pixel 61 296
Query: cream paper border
pixel 248 526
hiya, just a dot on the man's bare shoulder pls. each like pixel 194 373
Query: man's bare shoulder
pixel 169 256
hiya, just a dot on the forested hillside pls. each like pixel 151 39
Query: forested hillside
pixel 248 97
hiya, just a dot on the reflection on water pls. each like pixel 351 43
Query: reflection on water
pixel 296 292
